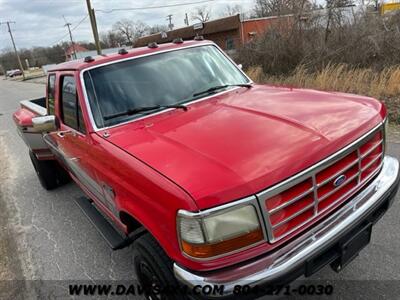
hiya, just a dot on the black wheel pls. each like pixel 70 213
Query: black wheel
pixel 62 175
pixel 49 172
pixel 154 270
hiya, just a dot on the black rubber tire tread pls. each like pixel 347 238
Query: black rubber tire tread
pixel 63 176
pixel 50 173
pixel 146 247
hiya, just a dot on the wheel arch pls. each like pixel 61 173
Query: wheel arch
pixel 130 222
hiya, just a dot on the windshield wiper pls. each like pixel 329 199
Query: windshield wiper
pixel 220 87
pixel 137 110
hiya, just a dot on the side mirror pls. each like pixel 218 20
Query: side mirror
pixel 240 66
pixel 44 123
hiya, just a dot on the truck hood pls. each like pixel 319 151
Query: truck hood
pixel 239 142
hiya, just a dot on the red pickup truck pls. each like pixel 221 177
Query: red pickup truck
pixel 217 181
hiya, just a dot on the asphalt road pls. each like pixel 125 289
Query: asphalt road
pixel 49 242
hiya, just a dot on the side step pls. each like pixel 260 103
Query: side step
pixel 113 238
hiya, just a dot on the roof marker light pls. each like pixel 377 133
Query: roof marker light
pixel 88 59
pixel 178 41
pixel 122 51
pixel 152 45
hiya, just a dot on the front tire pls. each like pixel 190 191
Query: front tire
pixel 154 269
pixel 49 172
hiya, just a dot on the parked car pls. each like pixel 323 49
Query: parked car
pixel 215 179
pixel 13 73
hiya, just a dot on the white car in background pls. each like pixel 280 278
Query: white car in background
pixel 13 73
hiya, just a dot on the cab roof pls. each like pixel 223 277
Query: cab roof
pixel 80 64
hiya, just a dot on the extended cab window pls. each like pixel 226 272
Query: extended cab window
pixel 71 113
pixel 51 94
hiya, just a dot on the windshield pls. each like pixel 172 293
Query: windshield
pixel 161 79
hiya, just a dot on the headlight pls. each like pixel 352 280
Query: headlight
pixel 220 232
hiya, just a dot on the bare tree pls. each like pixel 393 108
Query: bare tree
pixel 130 30
pixel 202 14
pixel 339 3
pixel 265 8
pixel 232 10
pixel 158 28
pixel 125 28
pixel 334 14
pixel 362 40
pixel 376 4
pixel 112 39
pixel 140 29
pixel 371 3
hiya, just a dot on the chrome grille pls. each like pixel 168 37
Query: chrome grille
pixel 297 201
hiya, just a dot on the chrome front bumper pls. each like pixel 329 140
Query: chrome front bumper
pixel 281 263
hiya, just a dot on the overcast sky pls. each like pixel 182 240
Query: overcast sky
pixel 40 22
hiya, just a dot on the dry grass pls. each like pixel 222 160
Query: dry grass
pixel 384 85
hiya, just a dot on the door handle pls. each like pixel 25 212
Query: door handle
pixel 61 134
pixel 75 159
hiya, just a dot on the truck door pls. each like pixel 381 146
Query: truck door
pixel 70 143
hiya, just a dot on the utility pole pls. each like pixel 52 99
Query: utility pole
pixel 70 36
pixel 92 17
pixel 186 19
pixel 98 46
pixel 170 25
pixel 15 48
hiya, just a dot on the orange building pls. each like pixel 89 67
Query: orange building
pixel 229 33
pixel 253 27
pixel 70 53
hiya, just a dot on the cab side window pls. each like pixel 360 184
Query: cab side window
pixel 71 113
pixel 51 94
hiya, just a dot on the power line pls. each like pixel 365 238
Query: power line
pixel 59 40
pixel 80 22
pixel 154 7
pixel 72 29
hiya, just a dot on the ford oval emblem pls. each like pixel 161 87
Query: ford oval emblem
pixel 339 180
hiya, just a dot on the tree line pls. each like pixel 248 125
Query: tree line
pixel 124 32
pixel 340 34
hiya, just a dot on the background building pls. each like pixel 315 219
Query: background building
pixel 229 33
pixel 73 51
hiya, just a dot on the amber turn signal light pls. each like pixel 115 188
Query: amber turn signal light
pixel 211 250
